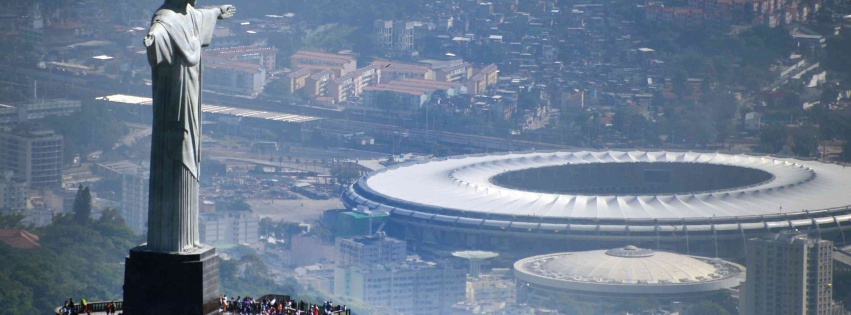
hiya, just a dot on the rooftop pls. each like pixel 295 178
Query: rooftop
pixel 631 268
pixel 20 239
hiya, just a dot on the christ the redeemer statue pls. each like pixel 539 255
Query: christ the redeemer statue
pixel 178 31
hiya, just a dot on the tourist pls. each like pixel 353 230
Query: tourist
pixel 85 306
pixel 71 310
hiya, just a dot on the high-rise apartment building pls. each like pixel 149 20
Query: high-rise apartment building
pixel 789 273
pixel 34 154
pixel 135 185
pixel 376 270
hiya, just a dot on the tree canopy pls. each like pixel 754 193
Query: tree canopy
pixel 82 205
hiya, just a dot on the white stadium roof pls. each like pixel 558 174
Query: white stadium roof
pixel 464 184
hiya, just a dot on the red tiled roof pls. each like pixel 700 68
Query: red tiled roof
pixel 19 239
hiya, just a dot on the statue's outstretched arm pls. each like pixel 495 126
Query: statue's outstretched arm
pixel 227 11
pixel 222 12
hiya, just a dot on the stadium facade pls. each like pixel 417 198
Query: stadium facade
pixel 544 201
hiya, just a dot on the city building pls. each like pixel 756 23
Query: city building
pixel 351 85
pixel 317 84
pixel 8 115
pixel 414 287
pixel 49 107
pixel 376 270
pixel 394 70
pixel 263 56
pixel 410 98
pixel 135 185
pixel 495 289
pixel 456 72
pixel 355 223
pixel 395 38
pixel 296 80
pixel 531 202
pixel 724 13
pixel 229 228
pixel 309 250
pixel 134 191
pixel 412 93
pixel 370 250
pixel 303 58
pixel 394 35
pixel 622 274
pixel 13 192
pixel 488 76
pixel 34 154
pixel 232 77
pixel 789 273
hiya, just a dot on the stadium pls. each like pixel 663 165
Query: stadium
pixel 544 201
pixel 624 273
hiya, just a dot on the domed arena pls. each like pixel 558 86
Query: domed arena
pixel 623 273
pixel 543 201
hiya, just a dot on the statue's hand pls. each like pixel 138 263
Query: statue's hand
pixel 227 11
pixel 149 40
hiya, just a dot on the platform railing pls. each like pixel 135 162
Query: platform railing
pixel 99 306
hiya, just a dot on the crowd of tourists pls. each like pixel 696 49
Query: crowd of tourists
pixel 69 308
pixel 250 306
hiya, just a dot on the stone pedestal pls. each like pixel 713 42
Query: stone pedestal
pixel 165 283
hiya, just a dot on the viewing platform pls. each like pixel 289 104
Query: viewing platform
pixel 99 307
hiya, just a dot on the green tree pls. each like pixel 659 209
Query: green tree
pixel 82 205
pixel 10 220
pixel 772 138
pixel 344 175
pixel 389 102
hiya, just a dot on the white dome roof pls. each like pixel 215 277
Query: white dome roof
pixel 628 270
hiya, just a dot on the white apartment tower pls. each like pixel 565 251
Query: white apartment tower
pixel 789 273
pixel 34 154
pixel 135 185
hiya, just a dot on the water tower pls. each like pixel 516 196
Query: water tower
pixel 475 257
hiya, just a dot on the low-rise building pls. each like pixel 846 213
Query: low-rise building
pixel 317 84
pixel 394 70
pixel 263 56
pixel 370 250
pixel 296 80
pixel 233 77
pixel 303 58
pixel 351 85
pixel 486 77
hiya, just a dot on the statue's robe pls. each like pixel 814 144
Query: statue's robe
pixel 175 57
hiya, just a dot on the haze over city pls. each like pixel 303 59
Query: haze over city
pixel 425 157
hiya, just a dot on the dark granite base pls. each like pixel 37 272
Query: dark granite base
pixel 171 284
